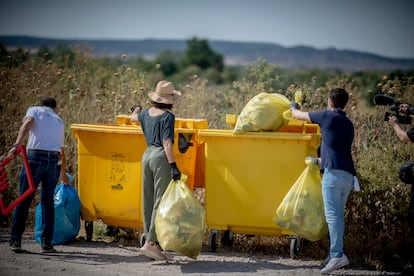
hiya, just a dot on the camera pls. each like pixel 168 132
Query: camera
pixel 406 173
pixel 394 109
pixel 135 106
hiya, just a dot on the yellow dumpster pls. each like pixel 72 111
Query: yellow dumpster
pixel 109 167
pixel 247 175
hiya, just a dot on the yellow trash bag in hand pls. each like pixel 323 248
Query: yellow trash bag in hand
pixel 287 115
pixel 302 210
pixel 180 220
pixel 264 112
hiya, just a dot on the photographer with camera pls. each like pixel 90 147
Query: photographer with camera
pixel 406 172
pixel 405 136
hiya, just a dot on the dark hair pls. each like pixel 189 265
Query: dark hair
pixel 339 97
pixel 162 105
pixel 48 101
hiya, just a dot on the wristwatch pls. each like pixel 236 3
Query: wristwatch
pixel 15 145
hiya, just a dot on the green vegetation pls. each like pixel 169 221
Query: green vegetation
pixel 92 90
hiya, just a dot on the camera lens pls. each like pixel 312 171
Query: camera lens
pixel 135 106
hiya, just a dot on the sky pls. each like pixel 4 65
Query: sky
pixel 382 27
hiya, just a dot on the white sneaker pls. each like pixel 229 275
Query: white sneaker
pixel 335 263
pixel 325 261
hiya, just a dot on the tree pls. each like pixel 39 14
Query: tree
pixel 199 53
pixel 169 62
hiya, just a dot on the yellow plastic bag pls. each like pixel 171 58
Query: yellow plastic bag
pixel 302 210
pixel 264 112
pixel 180 220
pixel 287 115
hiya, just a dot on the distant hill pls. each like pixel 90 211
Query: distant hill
pixel 234 53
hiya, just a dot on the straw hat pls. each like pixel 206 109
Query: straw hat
pixel 164 93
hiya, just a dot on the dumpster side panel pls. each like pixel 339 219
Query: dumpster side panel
pixel 199 176
pixel 247 177
pixel 109 166
pixel 86 187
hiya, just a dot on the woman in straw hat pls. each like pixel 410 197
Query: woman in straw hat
pixel 158 162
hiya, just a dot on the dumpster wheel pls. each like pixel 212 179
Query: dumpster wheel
pixel 227 238
pixel 212 241
pixel 89 230
pixel 142 240
pixel 294 246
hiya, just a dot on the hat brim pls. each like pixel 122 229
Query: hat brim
pixel 165 99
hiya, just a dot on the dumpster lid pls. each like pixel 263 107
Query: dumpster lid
pixel 106 128
pixel 179 122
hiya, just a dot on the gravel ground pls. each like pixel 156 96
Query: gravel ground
pixel 103 257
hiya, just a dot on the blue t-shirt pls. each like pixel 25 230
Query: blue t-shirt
pixel 337 138
pixel 158 128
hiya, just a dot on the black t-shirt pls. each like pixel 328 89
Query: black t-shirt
pixel 158 128
pixel 410 134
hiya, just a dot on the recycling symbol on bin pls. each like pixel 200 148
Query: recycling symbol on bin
pixel 117 167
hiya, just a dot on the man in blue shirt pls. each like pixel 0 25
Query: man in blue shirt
pixel 337 167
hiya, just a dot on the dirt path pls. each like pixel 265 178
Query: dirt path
pixel 108 258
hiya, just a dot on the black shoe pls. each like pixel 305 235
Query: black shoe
pixel 48 248
pixel 16 246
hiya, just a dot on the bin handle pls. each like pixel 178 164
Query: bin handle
pixel 183 144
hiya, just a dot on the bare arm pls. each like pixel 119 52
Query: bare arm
pixel 27 124
pixel 134 115
pixel 168 148
pixel 402 134
pixel 63 176
pixel 301 115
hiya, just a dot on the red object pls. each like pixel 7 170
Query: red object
pixel 4 184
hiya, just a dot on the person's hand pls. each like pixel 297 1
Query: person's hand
pixel 294 105
pixel 65 179
pixel 313 160
pixel 175 172
pixel 392 120
pixel 404 108
pixel 12 151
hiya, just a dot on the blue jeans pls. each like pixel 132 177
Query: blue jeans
pixel 336 186
pixel 45 169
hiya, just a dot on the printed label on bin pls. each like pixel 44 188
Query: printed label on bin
pixel 117 187
pixel 117 167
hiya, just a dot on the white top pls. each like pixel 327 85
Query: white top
pixel 48 130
